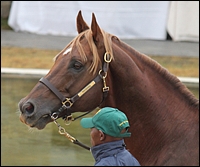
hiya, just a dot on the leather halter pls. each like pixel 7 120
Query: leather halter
pixel 68 102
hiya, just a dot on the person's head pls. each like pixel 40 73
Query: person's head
pixel 108 124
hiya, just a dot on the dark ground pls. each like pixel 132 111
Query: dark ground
pixel 148 47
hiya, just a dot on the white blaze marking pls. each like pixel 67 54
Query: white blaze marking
pixel 67 50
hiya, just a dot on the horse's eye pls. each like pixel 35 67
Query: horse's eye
pixel 77 65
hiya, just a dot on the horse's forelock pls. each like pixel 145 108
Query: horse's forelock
pixel 76 42
pixel 88 36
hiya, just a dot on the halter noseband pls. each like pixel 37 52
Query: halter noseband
pixel 68 102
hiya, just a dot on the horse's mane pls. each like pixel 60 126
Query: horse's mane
pixel 169 77
pixel 173 80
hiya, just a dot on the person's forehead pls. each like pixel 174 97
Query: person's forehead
pixel 94 129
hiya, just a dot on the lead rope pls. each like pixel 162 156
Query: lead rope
pixel 62 131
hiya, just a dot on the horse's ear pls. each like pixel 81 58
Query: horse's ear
pixel 80 23
pixel 96 31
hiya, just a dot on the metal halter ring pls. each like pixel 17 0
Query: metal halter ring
pixel 102 75
pixel 107 57
pixel 54 116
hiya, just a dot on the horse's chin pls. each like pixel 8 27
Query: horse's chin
pixel 39 123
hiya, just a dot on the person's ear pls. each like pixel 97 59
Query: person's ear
pixel 102 135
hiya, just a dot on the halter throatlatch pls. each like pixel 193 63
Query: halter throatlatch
pixel 68 102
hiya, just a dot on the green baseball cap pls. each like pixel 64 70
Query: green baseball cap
pixel 109 120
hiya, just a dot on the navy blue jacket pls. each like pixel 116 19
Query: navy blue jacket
pixel 113 154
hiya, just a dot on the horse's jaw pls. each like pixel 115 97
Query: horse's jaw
pixel 39 123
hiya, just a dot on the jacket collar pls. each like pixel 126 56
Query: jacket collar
pixel 107 149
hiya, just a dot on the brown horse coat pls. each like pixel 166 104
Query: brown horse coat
pixel 163 113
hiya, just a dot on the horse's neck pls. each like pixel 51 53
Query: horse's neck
pixel 139 84
pixel 135 75
pixel 155 101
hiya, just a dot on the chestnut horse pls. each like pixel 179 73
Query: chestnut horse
pixel 97 69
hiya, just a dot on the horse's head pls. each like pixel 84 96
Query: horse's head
pixel 76 80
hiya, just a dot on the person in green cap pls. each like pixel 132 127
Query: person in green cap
pixel 108 128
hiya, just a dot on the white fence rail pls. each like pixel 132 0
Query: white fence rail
pixel 188 81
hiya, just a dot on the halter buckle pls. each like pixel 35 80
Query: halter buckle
pixel 67 103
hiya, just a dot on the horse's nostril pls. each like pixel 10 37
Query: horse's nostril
pixel 28 108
